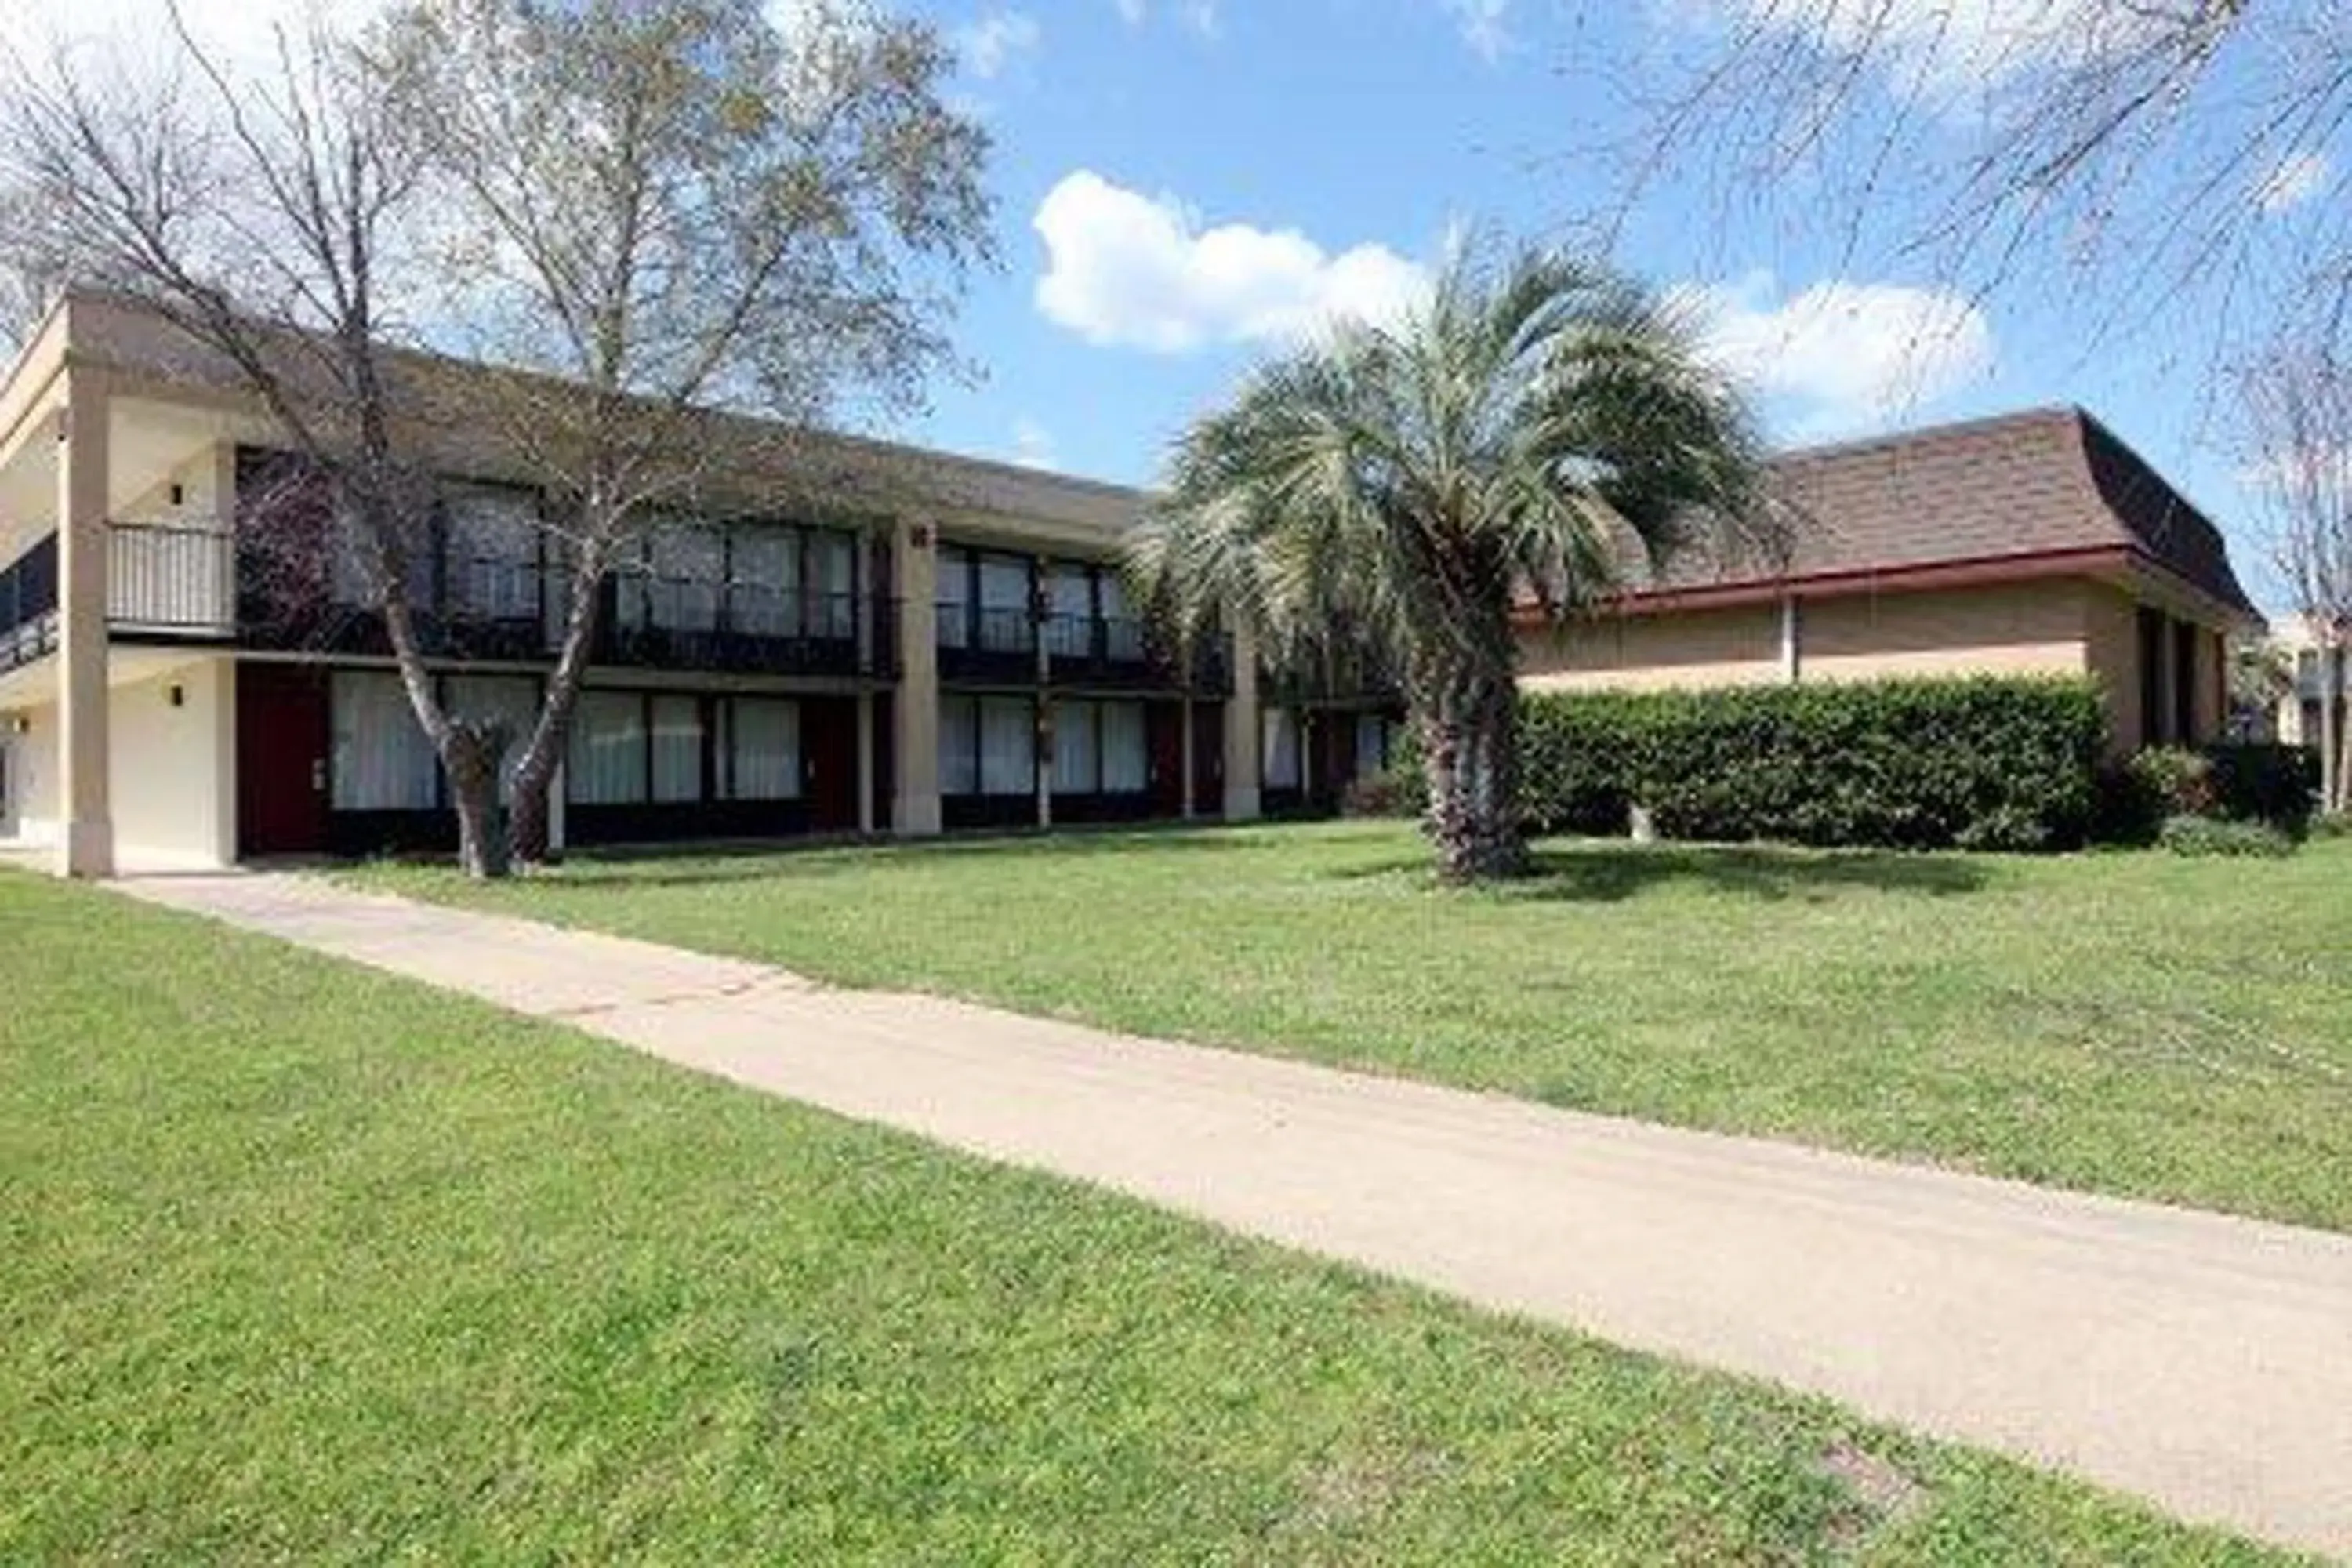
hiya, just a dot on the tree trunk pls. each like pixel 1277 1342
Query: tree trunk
pixel 1470 756
pixel 470 754
pixel 535 773
pixel 2332 750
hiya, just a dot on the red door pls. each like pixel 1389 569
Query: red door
pixel 1209 759
pixel 829 761
pixel 281 759
pixel 1165 735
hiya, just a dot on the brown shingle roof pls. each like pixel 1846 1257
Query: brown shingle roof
pixel 2042 483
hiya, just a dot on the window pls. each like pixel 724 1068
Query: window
pixel 685 562
pixel 1004 624
pixel 511 699
pixel 1281 754
pixel 607 757
pixel 490 553
pixel 955 597
pixel 1070 600
pixel 958 746
pixel 762 740
pixel 833 568
pixel 382 760
pixel 764 599
pixel 1077 758
pixel 1126 761
pixel 2152 710
pixel 1371 746
pixel 677 748
pixel 1122 632
pixel 1008 746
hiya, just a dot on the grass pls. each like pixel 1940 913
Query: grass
pixel 2140 1024
pixel 305 1263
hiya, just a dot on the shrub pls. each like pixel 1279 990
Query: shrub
pixel 1985 764
pixel 1921 765
pixel 2259 781
pixel 2177 782
pixel 2188 835
pixel 1392 792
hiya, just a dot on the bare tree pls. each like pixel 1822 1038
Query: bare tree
pixel 259 210
pixel 2140 149
pixel 2298 410
pixel 662 208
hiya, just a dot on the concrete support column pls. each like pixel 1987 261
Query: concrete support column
pixel 1241 732
pixel 1792 637
pixel 1184 718
pixel 915 715
pixel 86 843
pixel 866 762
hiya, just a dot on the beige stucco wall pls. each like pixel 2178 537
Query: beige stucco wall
pixel 2111 644
pixel 1737 646
pixel 173 780
pixel 2034 628
pixel 33 771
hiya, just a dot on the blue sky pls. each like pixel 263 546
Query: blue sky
pixel 1183 182
pixel 1184 186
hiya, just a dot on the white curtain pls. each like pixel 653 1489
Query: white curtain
pixel 1008 746
pixel 1372 744
pixel 382 760
pixel 958 746
pixel 1077 762
pixel 607 757
pixel 677 748
pixel 1070 597
pixel 1005 626
pixel 1125 762
pixel 1123 632
pixel 685 559
pixel 767 600
pixel 512 700
pixel 833 564
pixel 953 597
pixel 1281 753
pixel 763 749
pixel 492 552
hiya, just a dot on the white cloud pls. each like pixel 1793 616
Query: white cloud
pixel 1844 356
pixel 1123 268
pixel 1481 23
pixel 1033 445
pixel 2296 181
pixel 1200 16
pixel 995 41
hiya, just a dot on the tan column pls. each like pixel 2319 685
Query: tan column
pixel 1184 755
pixel 87 846
pixel 866 761
pixel 1241 732
pixel 915 714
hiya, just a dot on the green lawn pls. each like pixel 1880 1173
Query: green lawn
pixel 309 1264
pixel 2133 1023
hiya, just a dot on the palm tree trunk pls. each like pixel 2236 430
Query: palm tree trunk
pixel 1470 755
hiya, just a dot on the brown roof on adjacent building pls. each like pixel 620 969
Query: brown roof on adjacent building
pixel 2051 486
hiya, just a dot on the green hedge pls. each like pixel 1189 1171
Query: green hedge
pixel 1982 763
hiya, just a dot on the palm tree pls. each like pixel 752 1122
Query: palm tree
pixel 1503 450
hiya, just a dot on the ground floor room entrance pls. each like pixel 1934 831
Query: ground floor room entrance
pixel 282 727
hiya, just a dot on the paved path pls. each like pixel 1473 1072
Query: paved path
pixel 2201 1361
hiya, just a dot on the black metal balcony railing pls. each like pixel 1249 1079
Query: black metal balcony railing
pixel 167 577
pixel 28 604
pixel 751 629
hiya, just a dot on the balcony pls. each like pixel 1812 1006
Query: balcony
pixel 746 629
pixel 987 645
pixel 161 582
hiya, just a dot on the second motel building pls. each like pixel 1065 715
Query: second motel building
pixel 946 645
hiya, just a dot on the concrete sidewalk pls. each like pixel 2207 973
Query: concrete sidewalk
pixel 2201 1361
